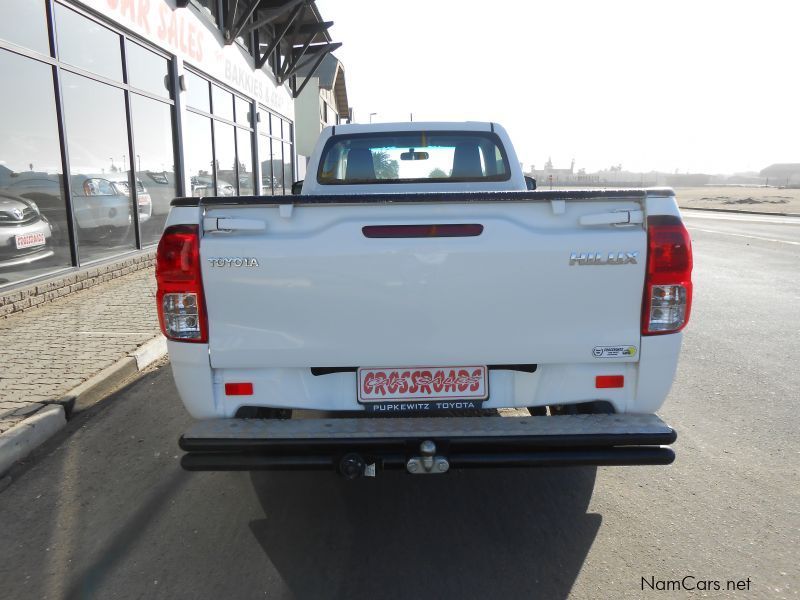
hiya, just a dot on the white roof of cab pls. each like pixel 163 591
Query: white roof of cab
pixel 414 126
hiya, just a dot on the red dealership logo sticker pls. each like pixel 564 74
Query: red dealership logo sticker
pixel 422 382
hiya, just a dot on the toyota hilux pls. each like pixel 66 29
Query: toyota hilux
pixel 418 305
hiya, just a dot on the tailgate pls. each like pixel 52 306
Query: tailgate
pixel 307 288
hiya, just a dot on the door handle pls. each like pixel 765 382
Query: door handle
pixel 232 224
pixel 622 217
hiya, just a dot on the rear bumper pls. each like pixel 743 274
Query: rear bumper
pixel 465 442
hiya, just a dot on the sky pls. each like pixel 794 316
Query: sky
pixel 689 85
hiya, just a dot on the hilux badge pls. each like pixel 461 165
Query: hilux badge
pixel 232 261
pixel 600 258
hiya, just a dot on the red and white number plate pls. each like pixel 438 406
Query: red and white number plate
pixel 29 240
pixel 422 383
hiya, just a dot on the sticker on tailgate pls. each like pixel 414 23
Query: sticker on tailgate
pixel 404 384
pixel 614 351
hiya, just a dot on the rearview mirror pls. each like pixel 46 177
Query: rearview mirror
pixel 530 183
pixel 297 187
pixel 414 156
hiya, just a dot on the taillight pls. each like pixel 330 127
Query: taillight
pixel 181 306
pixel 668 284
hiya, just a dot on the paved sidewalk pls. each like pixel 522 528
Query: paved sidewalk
pixel 48 351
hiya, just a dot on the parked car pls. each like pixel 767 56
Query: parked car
pixel 25 234
pixel 161 188
pixel 386 289
pixel 203 186
pixel 45 190
pixel 122 187
pixel 101 203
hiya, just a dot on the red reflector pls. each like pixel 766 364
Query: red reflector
pixel 238 389
pixel 609 381
pixel 421 231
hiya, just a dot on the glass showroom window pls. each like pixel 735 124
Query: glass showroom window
pixel 229 116
pixel 87 44
pixel 244 145
pixel 24 22
pixel 288 159
pixel 97 139
pixel 34 237
pixel 222 103
pixel 265 154
pixel 107 179
pixel 197 141
pixel 225 158
pixel 275 151
pixel 151 121
pixel 155 168
pixel 107 111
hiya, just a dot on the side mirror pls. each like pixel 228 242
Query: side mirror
pixel 530 183
pixel 297 187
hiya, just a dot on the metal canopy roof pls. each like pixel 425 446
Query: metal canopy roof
pixel 287 34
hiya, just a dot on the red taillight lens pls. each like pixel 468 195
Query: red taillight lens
pixel 668 285
pixel 181 306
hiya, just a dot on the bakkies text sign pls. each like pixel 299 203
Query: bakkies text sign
pixel 183 33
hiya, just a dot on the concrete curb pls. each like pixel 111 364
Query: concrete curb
pixel 23 438
pixel 743 212
pixel 98 386
pixel 101 385
pixel 150 352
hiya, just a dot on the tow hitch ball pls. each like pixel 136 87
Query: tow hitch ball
pixel 428 463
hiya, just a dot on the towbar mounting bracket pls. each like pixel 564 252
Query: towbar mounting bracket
pixel 428 463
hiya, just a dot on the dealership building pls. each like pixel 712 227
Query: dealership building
pixel 111 108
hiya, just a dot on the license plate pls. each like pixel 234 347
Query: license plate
pixel 407 384
pixel 29 240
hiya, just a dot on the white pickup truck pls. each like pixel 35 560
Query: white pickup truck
pixel 416 285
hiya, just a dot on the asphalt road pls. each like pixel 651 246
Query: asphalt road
pixel 104 511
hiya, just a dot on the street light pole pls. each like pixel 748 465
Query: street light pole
pixel 371 115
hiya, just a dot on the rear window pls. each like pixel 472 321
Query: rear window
pixel 413 157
